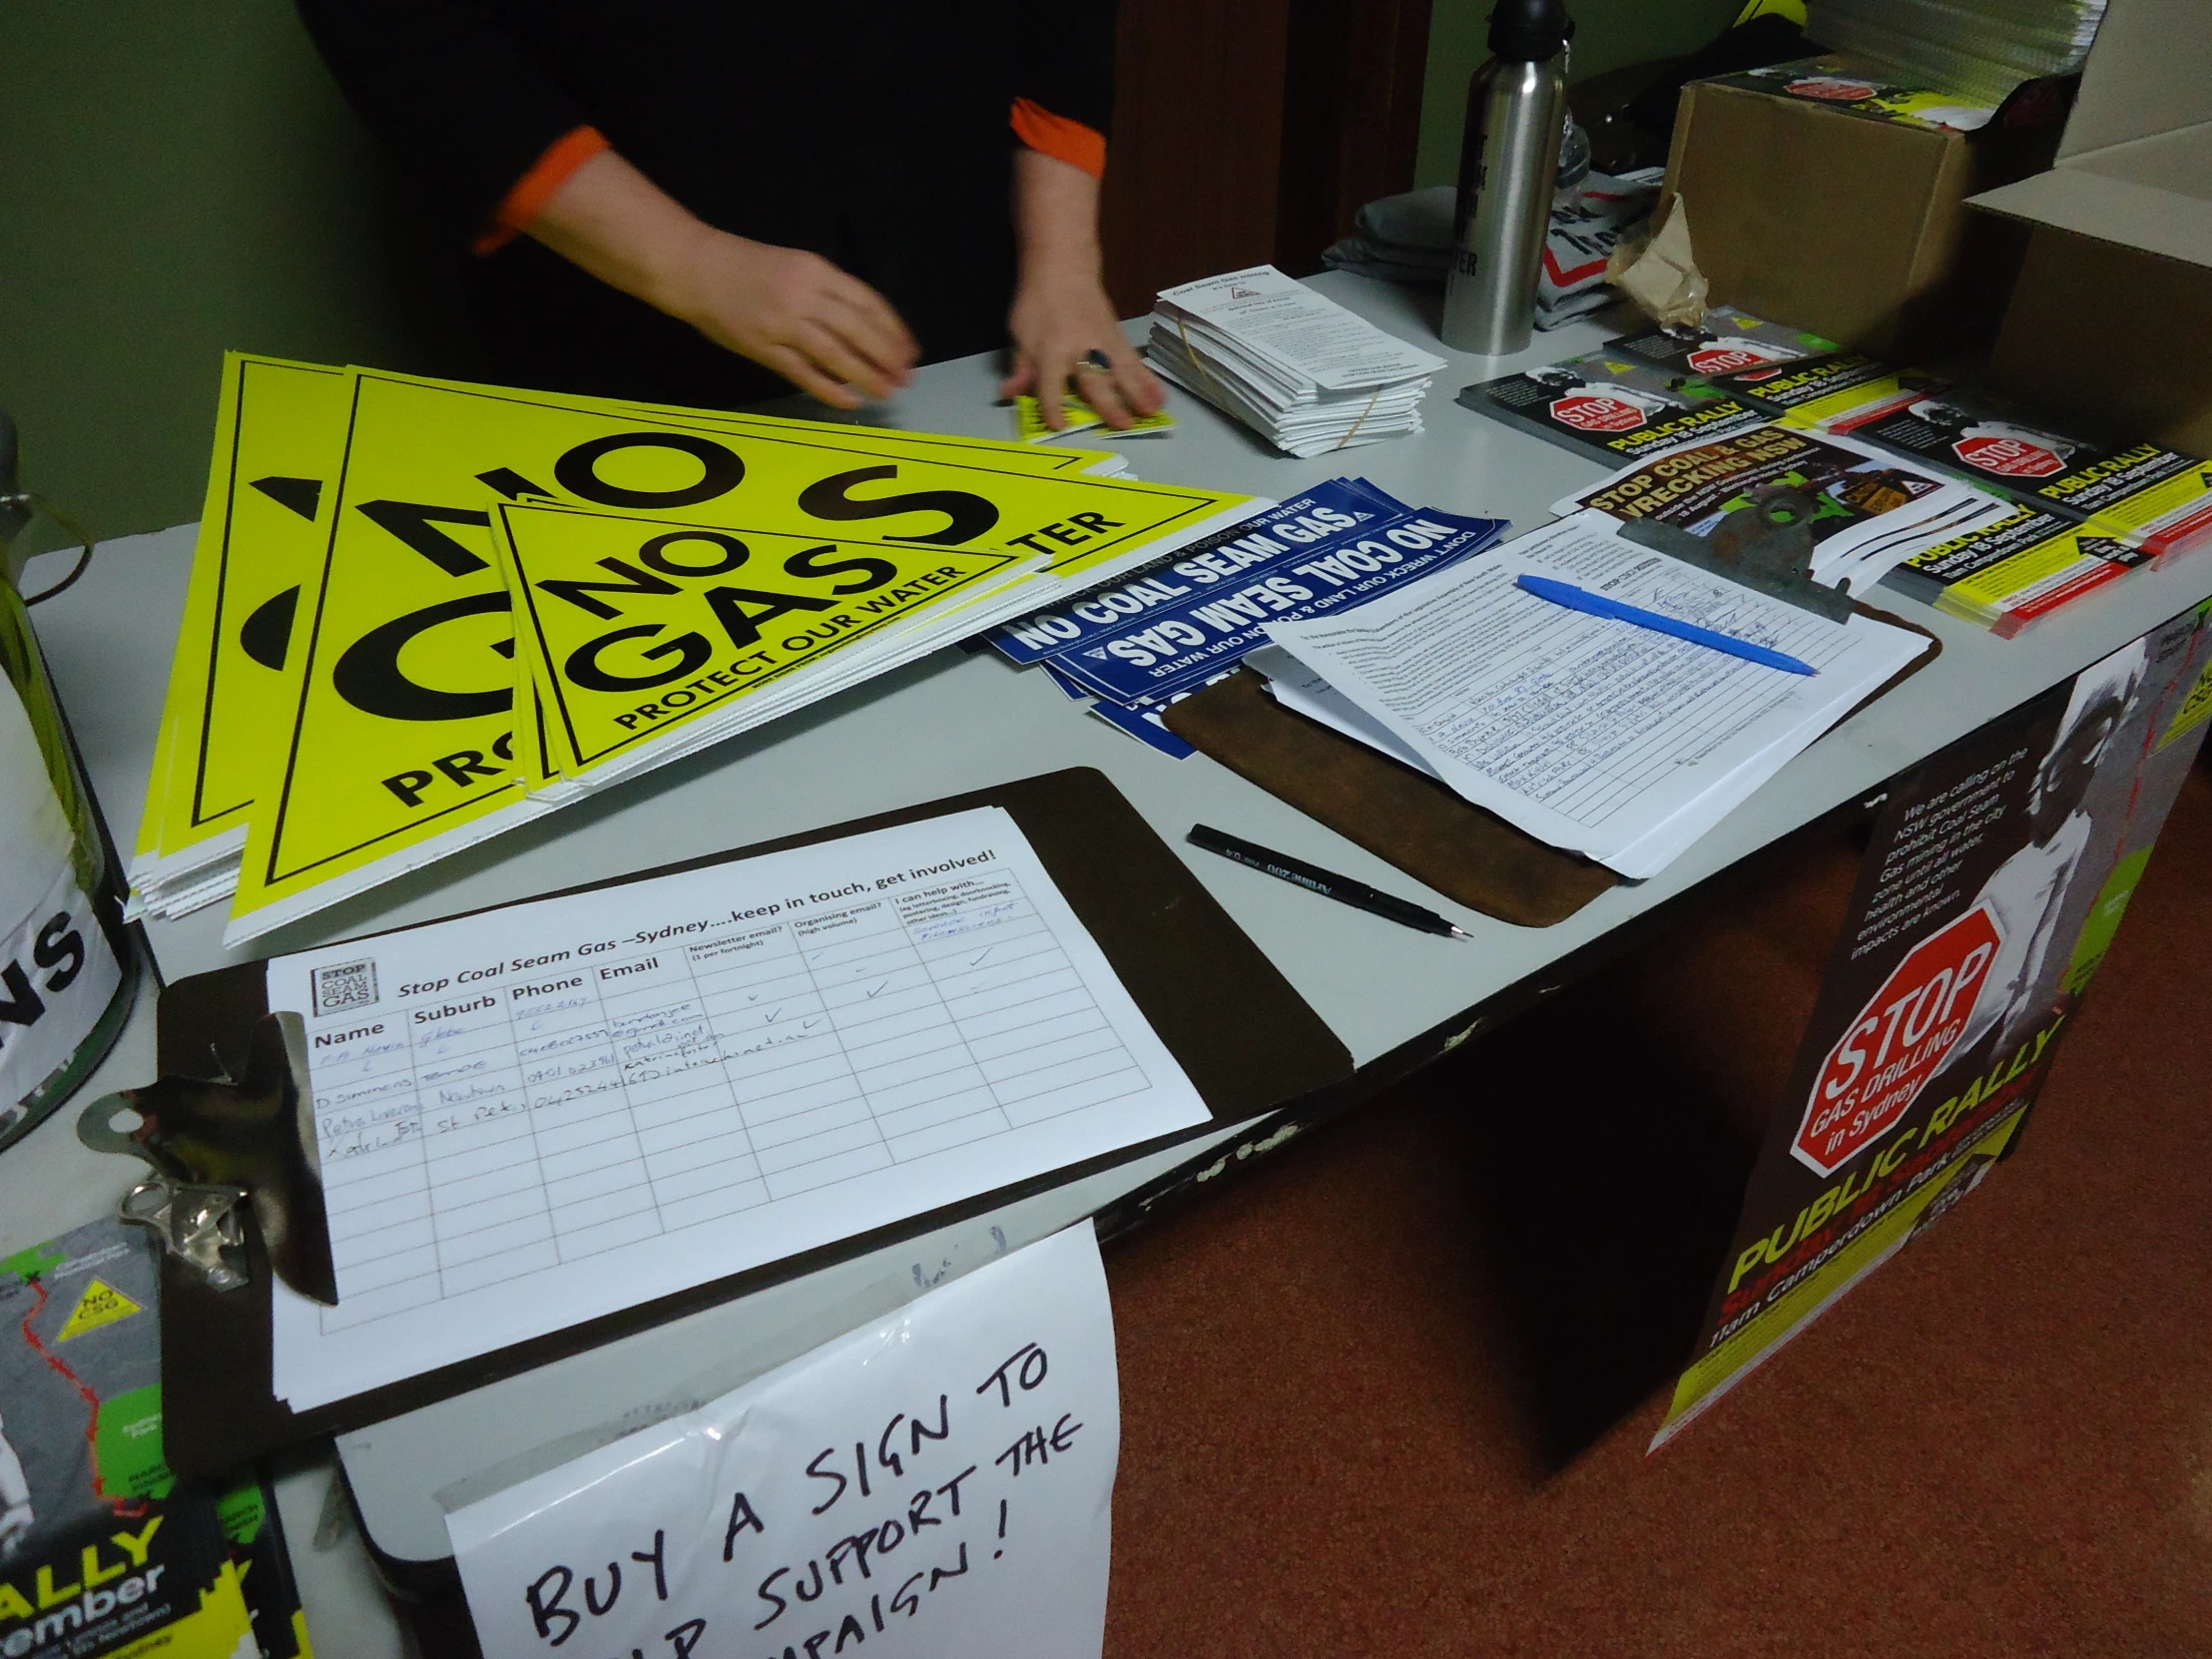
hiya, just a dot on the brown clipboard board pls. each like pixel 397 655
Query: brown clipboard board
pixel 1245 1037
pixel 1406 817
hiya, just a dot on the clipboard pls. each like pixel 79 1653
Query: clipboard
pixel 1406 817
pixel 1402 817
pixel 1244 1036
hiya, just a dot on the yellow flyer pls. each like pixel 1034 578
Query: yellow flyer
pixel 404 740
pixel 637 626
pixel 995 452
pixel 799 476
pixel 281 432
pixel 1029 424
pixel 401 725
pixel 148 847
pixel 1006 457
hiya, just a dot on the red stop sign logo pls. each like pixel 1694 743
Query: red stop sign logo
pixel 2008 458
pixel 1588 411
pixel 1724 359
pixel 1832 88
pixel 1895 1046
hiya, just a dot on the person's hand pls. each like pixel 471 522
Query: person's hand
pixel 15 1527
pixel 789 310
pixel 1058 321
pixel 826 333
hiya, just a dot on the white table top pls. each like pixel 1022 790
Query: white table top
pixel 955 723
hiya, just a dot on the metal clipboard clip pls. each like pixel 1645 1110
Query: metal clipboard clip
pixel 218 1145
pixel 1766 547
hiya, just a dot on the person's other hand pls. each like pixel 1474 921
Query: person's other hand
pixel 1057 322
pixel 789 310
pixel 823 330
pixel 15 1527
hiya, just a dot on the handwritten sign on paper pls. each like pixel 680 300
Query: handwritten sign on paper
pixel 936 1482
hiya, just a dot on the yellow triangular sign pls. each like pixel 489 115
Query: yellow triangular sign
pixel 102 1304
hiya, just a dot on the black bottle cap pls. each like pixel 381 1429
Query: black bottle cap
pixel 1528 31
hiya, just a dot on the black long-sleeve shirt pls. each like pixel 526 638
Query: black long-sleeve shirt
pixel 877 133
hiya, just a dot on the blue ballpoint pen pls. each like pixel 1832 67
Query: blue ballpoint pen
pixel 1596 604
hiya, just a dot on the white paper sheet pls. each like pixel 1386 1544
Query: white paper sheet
pixel 547 1113
pixel 939 1483
pixel 1591 733
pixel 1303 692
pixel 1279 323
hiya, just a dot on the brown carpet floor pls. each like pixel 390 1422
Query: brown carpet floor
pixel 1389 1392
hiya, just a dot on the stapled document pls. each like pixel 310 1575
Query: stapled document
pixel 1588 733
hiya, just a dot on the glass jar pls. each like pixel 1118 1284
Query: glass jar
pixel 69 967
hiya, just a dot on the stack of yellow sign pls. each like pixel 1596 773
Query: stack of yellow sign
pixel 422 612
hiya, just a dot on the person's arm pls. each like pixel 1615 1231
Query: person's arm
pixel 499 148
pixel 791 310
pixel 1062 314
pixel 469 117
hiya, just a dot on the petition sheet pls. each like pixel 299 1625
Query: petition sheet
pixel 1588 733
pixel 1302 690
pixel 538 1116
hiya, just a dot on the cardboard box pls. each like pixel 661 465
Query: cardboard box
pixel 1836 201
pixel 2112 318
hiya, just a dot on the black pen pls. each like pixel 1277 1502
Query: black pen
pixel 1342 888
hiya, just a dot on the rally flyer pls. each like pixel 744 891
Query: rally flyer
pixel 103 1555
pixel 2009 575
pixel 1835 390
pixel 2146 492
pixel 1611 406
pixel 1855 87
pixel 1695 488
pixel 1725 342
pixel 1996 877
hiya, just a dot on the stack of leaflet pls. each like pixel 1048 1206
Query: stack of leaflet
pixel 1980 48
pixel 1595 734
pixel 2090 509
pixel 1130 649
pixel 1301 370
pixel 1871 511
pixel 1648 393
pixel 2073 512
pixel 1611 406
pixel 2158 498
pixel 423 613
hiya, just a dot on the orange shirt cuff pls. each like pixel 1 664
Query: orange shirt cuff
pixel 1058 137
pixel 536 188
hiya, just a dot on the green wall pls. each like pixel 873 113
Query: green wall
pixel 1609 34
pixel 178 178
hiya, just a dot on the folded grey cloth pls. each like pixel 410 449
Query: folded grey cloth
pixel 1407 239
pixel 1419 222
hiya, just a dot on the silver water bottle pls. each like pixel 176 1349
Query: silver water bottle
pixel 1507 165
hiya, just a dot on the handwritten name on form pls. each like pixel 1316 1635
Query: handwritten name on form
pixel 545 1113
